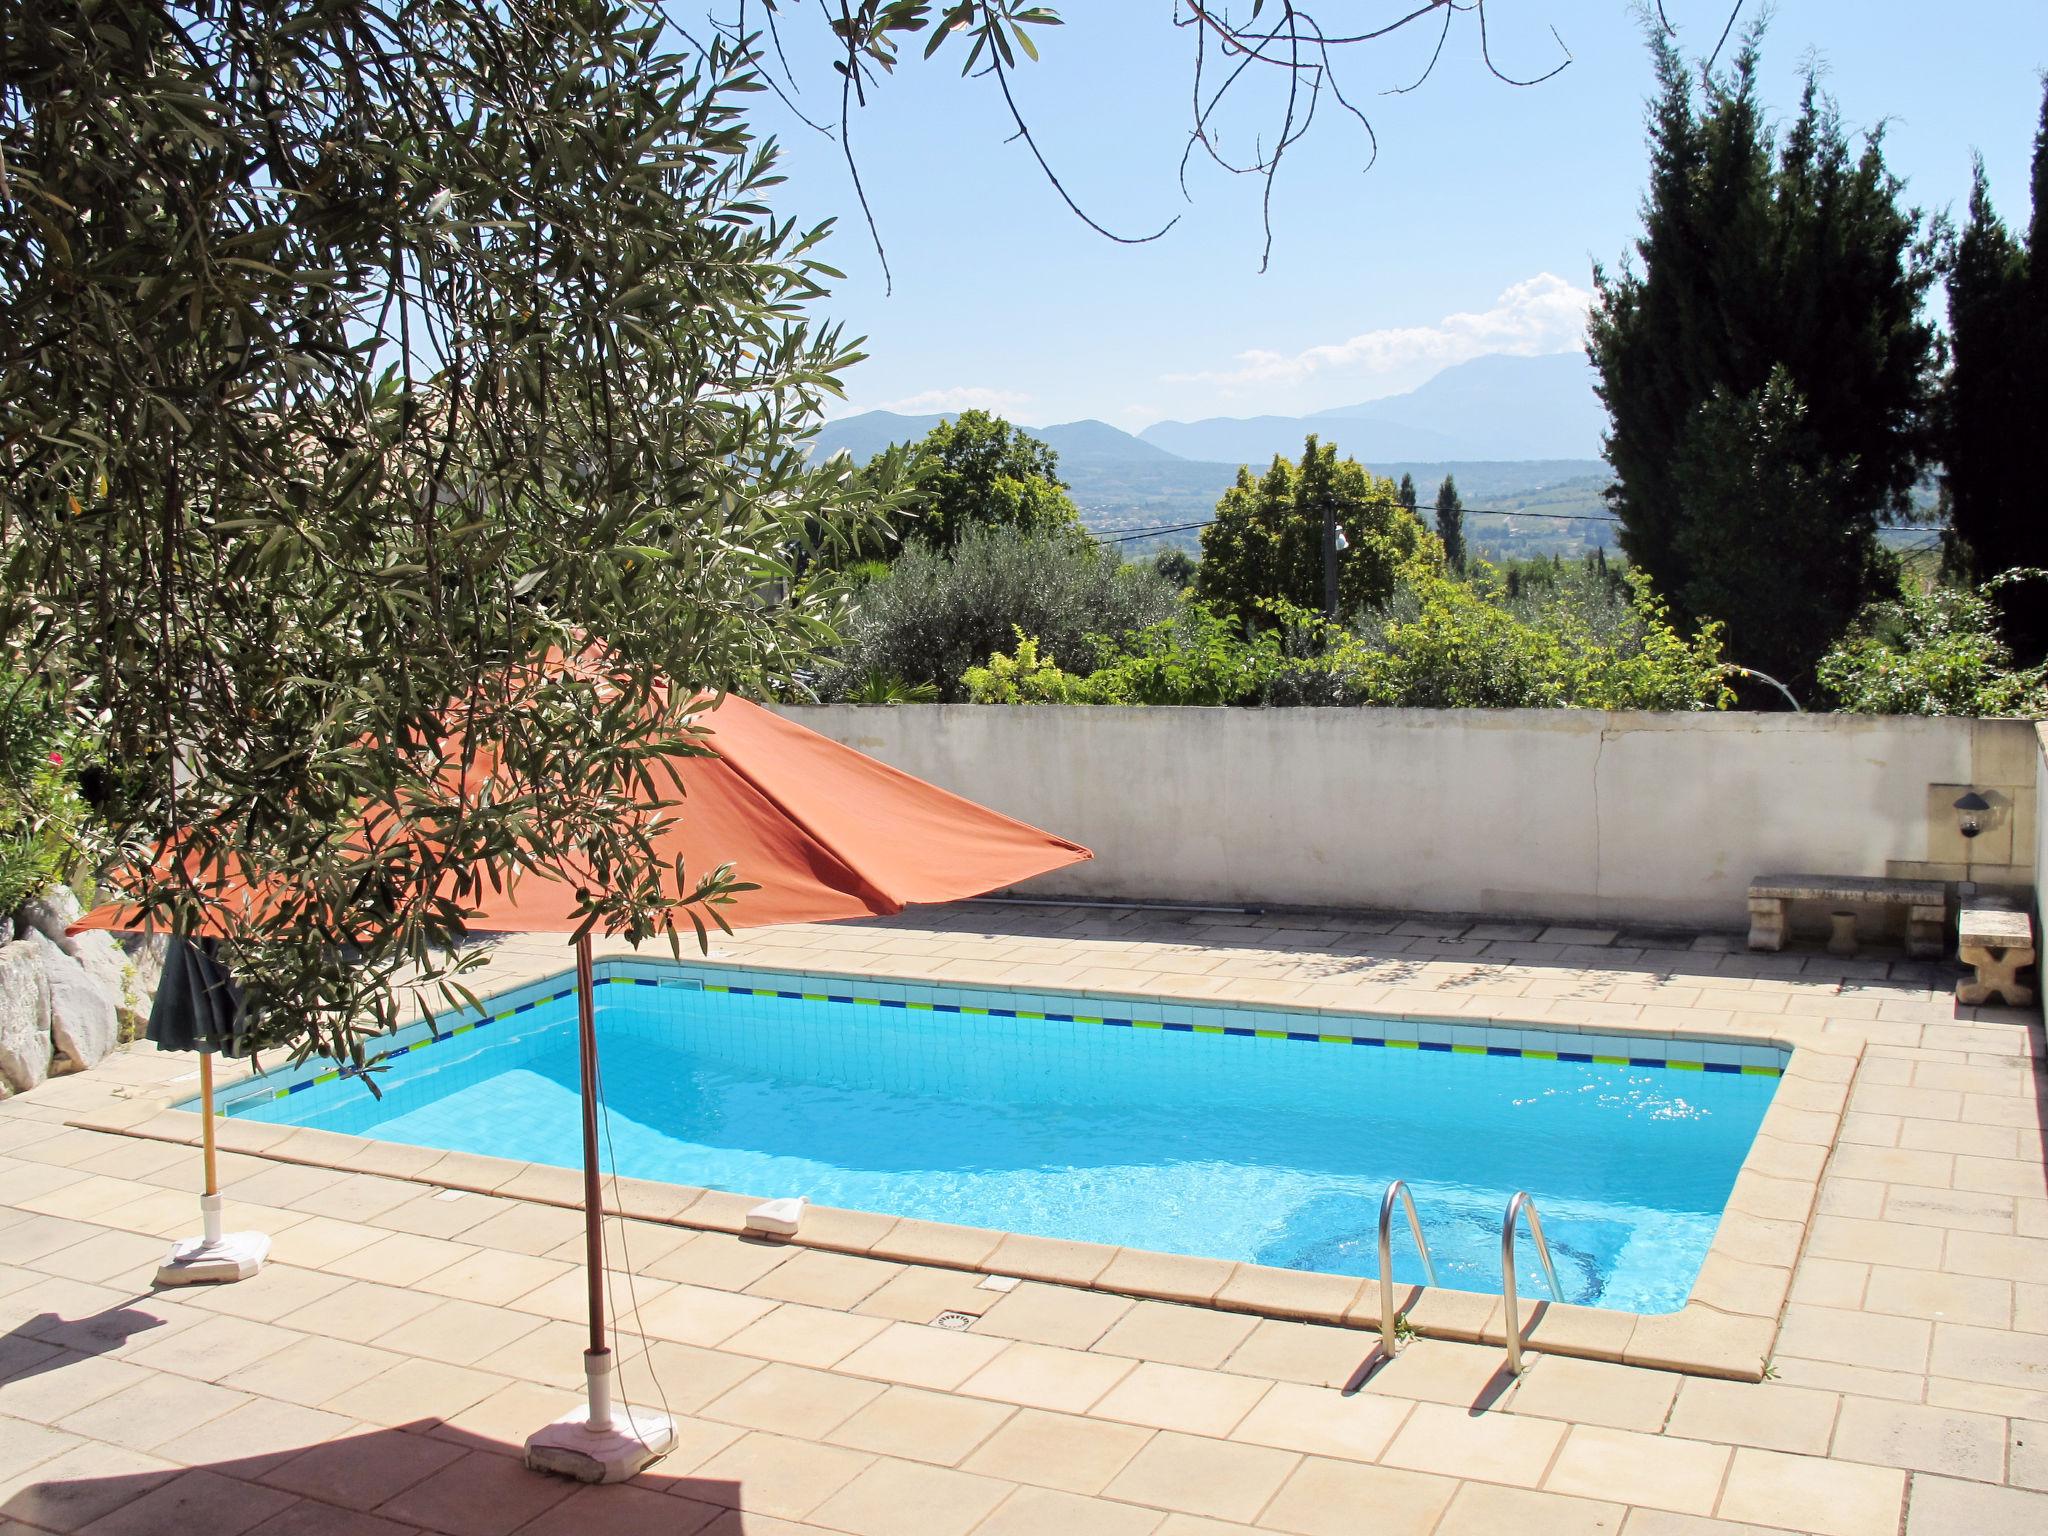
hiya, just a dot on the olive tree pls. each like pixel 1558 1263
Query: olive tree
pixel 403 414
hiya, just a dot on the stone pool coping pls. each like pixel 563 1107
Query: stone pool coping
pixel 1727 1327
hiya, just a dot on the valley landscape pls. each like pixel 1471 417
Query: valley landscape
pixel 1520 434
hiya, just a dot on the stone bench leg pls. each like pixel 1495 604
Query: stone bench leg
pixel 1926 932
pixel 1997 978
pixel 1766 922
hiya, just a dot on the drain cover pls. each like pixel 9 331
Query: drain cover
pixel 954 1320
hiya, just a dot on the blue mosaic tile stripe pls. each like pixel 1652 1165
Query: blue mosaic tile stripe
pixel 438 1036
pixel 1246 1032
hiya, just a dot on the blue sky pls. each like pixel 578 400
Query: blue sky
pixel 1475 231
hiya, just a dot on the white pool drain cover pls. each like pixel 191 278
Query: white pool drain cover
pixel 954 1320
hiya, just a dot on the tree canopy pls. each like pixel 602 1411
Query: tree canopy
pixel 1266 541
pixel 402 412
pixel 1998 328
pixel 979 471
pixel 1450 522
pixel 1778 303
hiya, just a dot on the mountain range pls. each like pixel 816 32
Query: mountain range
pixel 1522 434
pixel 1493 408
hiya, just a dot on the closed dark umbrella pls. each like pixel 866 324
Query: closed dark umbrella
pixel 198 1007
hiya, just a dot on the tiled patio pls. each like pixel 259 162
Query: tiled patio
pixel 378 1378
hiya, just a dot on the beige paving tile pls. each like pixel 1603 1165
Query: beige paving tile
pixel 919 1294
pixel 1039 1511
pixel 892 1496
pixel 523 1227
pixel 921 1356
pixel 1925 1439
pixel 214 1347
pixel 1942 1506
pixel 1177 1397
pixel 311 1370
pixel 192 1502
pixel 459 1332
pixel 1658 1522
pixel 1855 1338
pixel 721 1261
pixel 1323 1422
pixel 144 1416
pixel 824 1279
pixel 1805 1493
pixel 69 1491
pixel 492 1277
pixel 1769 1415
pixel 1341 1498
pixel 1993 1356
pixel 1482 1510
pixel 1305 1352
pixel 1041 1376
pixel 800 1335
pixel 792 1400
pixel 1494 1447
pixel 419 1392
pixel 1053 1314
pixel 1432 1370
pixel 262 1434
pixel 921 1426
pixel 1058 1450
pixel 510 1414
pixel 2027 1458
pixel 1595 1392
pixel 60 1382
pixel 1176 1335
pixel 1652 1469
pixel 399 1258
pixel 271 1294
pixel 621 1511
pixel 692 1314
pixel 359 1310
pixel 478 1494
pixel 773 1475
pixel 1203 1477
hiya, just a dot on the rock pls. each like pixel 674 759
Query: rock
pixel 6 930
pixel 24 1016
pixel 145 954
pixel 83 1027
pixel 106 962
pixel 51 913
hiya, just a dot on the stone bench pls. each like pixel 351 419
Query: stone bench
pixel 1999 941
pixel 1925 901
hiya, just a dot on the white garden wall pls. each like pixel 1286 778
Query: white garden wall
pixel 1643 818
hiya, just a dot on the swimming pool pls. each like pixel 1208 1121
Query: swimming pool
pixel 1224 1132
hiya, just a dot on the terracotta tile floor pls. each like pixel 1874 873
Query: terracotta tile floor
pixel 378 1377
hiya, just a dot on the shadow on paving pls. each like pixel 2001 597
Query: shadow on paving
pixel 425 1476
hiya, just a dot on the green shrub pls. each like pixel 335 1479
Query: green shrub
pixel 1935 652
pixel 939 612
pixel 1028 677
pixel 46 832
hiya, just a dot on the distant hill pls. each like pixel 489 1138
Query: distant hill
pixel 1489 408
pixel 1076 442
pixel 1522 434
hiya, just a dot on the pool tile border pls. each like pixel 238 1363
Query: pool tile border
pixel 1734 1341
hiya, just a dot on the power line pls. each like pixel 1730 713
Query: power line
pixel 1127 535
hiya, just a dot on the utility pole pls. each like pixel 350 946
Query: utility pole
pixel 1330 547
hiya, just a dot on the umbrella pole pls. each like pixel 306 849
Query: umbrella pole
pixel 596 1448
pixel 597 1359
pixel 209 1200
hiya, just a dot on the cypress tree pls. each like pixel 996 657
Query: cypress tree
pixel 1450 523
pixel 1778 305
pixel 1406 494
pixel 1998 327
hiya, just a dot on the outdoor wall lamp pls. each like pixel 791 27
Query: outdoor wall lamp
pixel 1971 811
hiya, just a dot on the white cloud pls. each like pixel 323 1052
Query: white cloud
pixel 1538 315
pixel 931 402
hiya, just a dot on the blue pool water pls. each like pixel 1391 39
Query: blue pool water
pixel 1263 1149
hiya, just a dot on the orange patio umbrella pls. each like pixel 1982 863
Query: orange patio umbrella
pixel 826 833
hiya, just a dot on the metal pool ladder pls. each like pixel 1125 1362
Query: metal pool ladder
pixel 1388 1321
pixel 1520 1204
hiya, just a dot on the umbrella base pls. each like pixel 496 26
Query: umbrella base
pixel 198 1261
pixel 569 1446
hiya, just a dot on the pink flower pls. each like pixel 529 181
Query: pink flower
pixel 57 758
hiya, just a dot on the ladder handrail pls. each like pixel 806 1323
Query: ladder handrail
pixel 1520 1204
pixel 1387 1317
